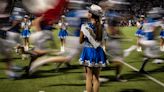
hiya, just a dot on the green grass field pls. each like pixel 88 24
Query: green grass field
pixel 71 80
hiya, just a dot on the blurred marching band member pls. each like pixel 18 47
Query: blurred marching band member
pixel 6 44
pixel 5 51
pixel 139 34
pixel 147 39
pixel 14 32
pixel 51 9
pixel 149 42
pixel 162 35
pixel 113 47
pixel 111 40
pixel 38 39
pixel 42 33
pixel 47 10
pixel 40 51
pixel 105 34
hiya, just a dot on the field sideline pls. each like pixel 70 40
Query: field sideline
pixel 71 80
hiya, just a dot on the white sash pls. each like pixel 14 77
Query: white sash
pixel 85 29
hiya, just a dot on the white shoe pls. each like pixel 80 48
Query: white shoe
pixel 139 49
pixel 12 74
pixel 15 67
pixel 24 56
pixel 162 48
pixel 158 61
pixel 126 53
pixel 103 65
pixel 104 48
pixel 16 50
pixel 41 91
pixel 62 49
pixel 103 79
pixel 26 48
pixel 90 65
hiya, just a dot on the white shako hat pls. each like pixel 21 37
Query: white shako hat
pixel 95 9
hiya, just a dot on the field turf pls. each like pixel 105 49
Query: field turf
pixel 71 79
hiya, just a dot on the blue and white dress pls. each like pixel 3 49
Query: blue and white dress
pixel 162 34
pixel 162 31
pixel 26 29
pixel 149 41
pixel 139 32
pixel 63 30
pixel 91 56
pixel 149 28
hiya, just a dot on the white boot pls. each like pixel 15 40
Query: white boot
pixel 11 74
pixel 158 61
pixel 162 48
pixel 129 50
pixel 139 49
pixel 61 49
pixel 26 48
pixel 14 67
pixel 126 53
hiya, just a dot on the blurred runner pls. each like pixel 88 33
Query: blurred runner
pixel 6 45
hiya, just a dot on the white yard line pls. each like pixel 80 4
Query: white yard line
pixel 146 75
